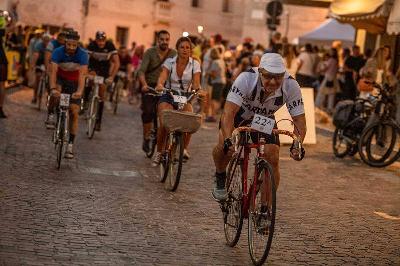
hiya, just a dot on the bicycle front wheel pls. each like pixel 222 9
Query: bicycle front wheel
pixel 232 208
pixel 60 138
pixel 379 144
pixel 92 117
pixel 262 211
pixel 116 97
pixel 175 161
pixel 152 140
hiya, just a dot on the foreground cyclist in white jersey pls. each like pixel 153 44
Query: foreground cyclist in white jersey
pixel 262 91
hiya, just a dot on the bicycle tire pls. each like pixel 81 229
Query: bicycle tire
pixel 234 204
pixel 255 216
pixel 336 137
pixel 39 95
pixel 366 142
pixel 60 140
pixel 175 163
pixel 116 98
pixel 92 118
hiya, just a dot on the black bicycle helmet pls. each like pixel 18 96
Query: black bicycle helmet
pixel 72 35
pixel 101 35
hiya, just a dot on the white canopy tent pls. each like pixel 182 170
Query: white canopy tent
pixel 329 31
pixel 393 25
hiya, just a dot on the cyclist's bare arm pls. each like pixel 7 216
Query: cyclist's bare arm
pixel 129 71
pixel 47 59
pixel 300 123
pixel 196 81
pixel 53 75
pixel 227 119
pixel 114 65
pixel 162 78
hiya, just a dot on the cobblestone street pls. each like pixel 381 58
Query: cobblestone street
pixel 107 206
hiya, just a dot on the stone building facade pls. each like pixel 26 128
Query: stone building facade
pixel 137 20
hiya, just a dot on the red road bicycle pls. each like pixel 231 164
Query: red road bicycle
pixel 256 202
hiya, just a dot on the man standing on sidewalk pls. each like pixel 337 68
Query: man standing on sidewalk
pixel 3 61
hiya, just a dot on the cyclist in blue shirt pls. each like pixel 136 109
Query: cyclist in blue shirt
pixel 69 66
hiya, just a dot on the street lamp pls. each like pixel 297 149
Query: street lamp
pixel 185 34
pixel 200 29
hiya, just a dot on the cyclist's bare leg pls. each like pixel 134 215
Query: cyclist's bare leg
pixel 272 156
pixel 36 84
pixel 74 114
pixel 54 99
pixel 221 160
pixel 162 132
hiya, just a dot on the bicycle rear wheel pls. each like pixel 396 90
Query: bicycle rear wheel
pixel 261 222
pixel 175 161
pixel 379 144
pixel 92 117
pixel 232 208
pixel 60 139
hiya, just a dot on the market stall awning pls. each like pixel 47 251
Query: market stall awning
pixel 329 31
pixel 393 25
pixel 364 14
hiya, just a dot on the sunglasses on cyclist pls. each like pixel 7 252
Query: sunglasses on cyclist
pixel 269 76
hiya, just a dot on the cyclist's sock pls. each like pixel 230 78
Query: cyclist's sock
pixel 71 138
pixel 220 178
pixel 264 208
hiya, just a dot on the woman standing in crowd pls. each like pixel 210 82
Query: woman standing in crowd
pixel 217 76
pixel 329 84
pixel 306 64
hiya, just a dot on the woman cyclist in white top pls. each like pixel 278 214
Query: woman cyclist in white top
pixel 181 73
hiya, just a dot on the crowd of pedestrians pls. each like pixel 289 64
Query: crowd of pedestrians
pixel 334 74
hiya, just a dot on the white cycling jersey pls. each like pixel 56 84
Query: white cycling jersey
pixel 247 92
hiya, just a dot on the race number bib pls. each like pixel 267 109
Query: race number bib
pixel 98 80
pixel 180 99
pixel 64 100
pixel 263 124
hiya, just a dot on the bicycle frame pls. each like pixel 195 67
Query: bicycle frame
pixel 245 149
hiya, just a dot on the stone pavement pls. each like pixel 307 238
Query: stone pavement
pixel 107 207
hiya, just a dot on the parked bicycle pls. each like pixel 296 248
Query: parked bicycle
pixel 246 202
pixel 379 143
pixel 178 123
pixel 61 132
pixel 350 118
pixel 93 109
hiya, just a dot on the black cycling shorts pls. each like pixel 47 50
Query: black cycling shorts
pixel 69 87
